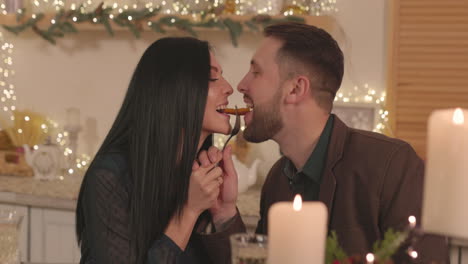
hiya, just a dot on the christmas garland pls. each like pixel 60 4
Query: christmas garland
pixel 383 250
pixel 65 22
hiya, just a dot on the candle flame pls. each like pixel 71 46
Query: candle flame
pixel 458 117
pixel 370 258
pixel 297 204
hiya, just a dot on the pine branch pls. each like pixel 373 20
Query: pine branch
pixel 252 26
pixel 108 27
pixel 20 14
pixel 235 30
pixel 64 22
pixel 156 27
pixel 68 28
pixel 386 248
pixel 333 250
pixel 43 34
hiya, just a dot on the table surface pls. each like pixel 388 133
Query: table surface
pixel 62 194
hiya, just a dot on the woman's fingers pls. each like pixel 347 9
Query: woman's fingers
pixel 204 159
pixel 195 165
pixel 213 174
pixel 213 155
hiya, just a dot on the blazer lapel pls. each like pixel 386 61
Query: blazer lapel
pixel 335 152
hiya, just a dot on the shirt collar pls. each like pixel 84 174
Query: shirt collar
pixel 313 168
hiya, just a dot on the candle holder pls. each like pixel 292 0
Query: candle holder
pixel 90 136
pixel 248 248
pixel 73 131
pixel 12 6
pixel 10 224
pixel 73 127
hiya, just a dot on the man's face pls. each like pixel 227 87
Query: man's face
pixel 262 91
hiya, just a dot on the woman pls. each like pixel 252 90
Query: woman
pixel 144 192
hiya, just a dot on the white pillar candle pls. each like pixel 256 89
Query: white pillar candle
pixel 445 194
pixel 297 232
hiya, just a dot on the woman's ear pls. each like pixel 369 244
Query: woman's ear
pixel 298 90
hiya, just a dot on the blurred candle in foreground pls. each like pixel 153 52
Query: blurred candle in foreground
pixel 297 232
pixel 445 194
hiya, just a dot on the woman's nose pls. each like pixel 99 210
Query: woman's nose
pixel 228 89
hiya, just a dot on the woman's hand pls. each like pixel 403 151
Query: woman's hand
pixel 225 207
pixel 205 183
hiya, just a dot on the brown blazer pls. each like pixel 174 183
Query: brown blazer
pixel 370 183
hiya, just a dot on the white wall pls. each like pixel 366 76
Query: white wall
pixel 91 71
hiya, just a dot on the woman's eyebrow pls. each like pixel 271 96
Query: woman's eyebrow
pixel 216 69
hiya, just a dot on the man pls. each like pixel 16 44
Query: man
pixel 369 182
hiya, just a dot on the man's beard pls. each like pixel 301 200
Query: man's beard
pixel 266 121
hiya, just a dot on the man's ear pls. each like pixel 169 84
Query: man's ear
pixel 298 90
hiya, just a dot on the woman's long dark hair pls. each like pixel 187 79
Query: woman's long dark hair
pixel 159 125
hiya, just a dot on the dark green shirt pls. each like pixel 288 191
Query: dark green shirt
pixel 307 182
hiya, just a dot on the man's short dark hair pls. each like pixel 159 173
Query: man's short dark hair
pixel 310 49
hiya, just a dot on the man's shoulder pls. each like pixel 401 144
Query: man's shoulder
pixel 371 140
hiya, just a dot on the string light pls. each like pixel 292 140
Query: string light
pixel 7 101
pixel 414 254
pixel 8 98
pixel 368 95
pixel 322 7
pixel 412 221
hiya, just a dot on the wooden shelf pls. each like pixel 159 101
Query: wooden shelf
pixel 325 22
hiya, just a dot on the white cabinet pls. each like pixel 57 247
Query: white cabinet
pixel 46 235
pixel 457 253
pixel 22 210
pixel 53 237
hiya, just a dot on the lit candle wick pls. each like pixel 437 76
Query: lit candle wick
pixel 297 204
pixel 458 118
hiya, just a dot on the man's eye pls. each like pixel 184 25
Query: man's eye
pixel 213 79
